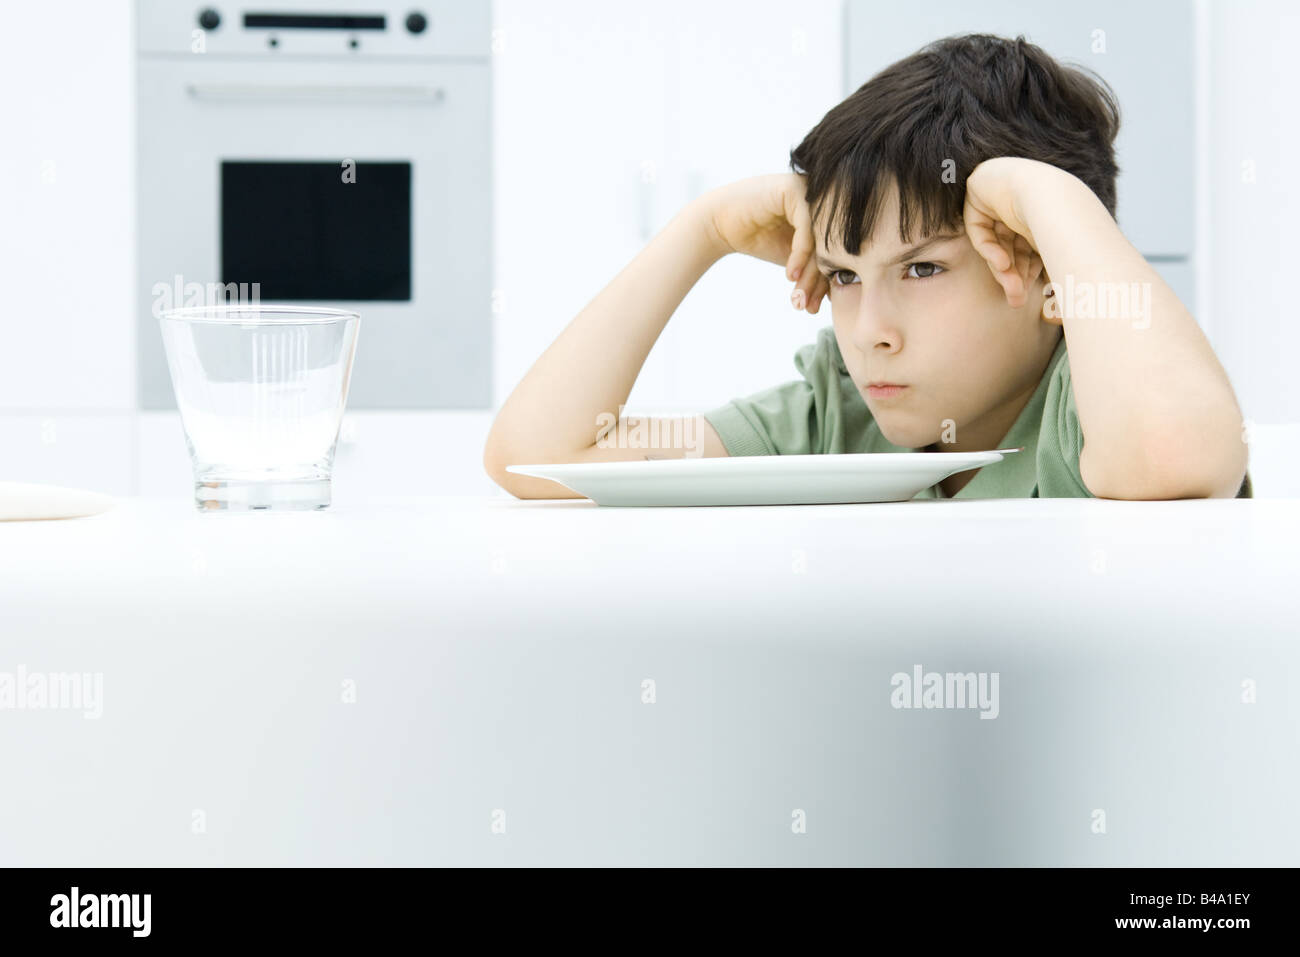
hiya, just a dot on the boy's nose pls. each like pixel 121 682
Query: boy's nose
pixel 875 323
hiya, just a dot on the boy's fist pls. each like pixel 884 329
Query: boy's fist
pixel 767 217
pixel 996 225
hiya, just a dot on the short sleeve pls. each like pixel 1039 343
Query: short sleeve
pixel 805 416
pixel 1060 441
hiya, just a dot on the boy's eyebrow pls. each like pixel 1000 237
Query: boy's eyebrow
pixel 906 254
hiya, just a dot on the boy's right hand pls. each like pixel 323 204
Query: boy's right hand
pixel 767 217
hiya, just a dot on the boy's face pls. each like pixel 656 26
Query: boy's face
pixel 936 321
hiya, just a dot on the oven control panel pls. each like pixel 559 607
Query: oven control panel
pixel 288 28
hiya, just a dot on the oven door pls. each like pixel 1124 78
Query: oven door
pixel 363 185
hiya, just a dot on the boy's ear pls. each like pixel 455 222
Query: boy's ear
pixel 1050 298
pixel 1028 276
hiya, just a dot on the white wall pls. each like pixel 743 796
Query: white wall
pixel 1254 243
pixel 67 355
pixel 593 99
pixel 1249 202
pixel 609 117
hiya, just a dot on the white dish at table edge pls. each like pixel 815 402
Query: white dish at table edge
pixel 26 501
pixel 761 479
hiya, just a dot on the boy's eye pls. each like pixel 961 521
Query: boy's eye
pixel 922 270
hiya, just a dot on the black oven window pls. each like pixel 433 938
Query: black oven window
pixel 305 232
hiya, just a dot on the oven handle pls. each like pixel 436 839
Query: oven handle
pixel 243 93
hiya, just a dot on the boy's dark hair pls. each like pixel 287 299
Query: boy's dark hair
pixel 962 99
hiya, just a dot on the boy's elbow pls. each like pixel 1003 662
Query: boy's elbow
pixel 1209 462
pixel 520 486
pixel 1172 467
pixel 494 466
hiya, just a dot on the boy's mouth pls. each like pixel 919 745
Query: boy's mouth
pixel 885 390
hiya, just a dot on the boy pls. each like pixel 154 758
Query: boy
pixel 958 211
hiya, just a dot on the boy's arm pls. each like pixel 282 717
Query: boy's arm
pixel 1157 412
pixel 555 414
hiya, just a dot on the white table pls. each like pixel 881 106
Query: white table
pixel 498 650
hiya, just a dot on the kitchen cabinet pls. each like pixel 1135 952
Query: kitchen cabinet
pixel 647 107
pixel 95 451
pixel 411 452
pixel 67 215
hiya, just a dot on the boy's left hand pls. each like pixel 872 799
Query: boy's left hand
pixel 996 226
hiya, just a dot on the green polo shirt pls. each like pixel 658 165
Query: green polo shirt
pixel 823 413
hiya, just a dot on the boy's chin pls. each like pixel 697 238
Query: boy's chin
pixel 906 438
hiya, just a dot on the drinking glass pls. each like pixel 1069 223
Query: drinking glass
pixel 261 391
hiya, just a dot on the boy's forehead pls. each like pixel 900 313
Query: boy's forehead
pixel 885 242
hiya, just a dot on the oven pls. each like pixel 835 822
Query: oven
pixel 316 153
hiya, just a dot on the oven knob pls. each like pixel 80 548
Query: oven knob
pixel 416 22
pixel 209 19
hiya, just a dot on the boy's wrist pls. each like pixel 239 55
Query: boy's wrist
pixel 698 214
pixel 1042 191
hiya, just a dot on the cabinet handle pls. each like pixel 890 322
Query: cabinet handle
pixel 243 93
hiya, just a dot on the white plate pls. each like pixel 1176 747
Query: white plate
pixel 762 479
pixel 25 501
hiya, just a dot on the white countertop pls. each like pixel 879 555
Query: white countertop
pixel 499 651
